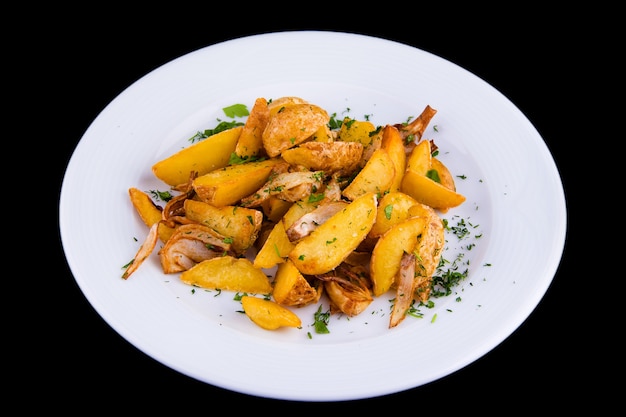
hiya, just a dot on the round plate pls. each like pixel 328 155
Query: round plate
pixel 514 216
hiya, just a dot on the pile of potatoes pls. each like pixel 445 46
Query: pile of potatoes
pixel 350 212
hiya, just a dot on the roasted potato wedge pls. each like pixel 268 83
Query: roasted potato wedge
pixel 392 208
pixel 228 185
pixel 275 208
pixel 275 249
pixel 205 156
pixel 148 211
pixel 376 176
pixel 279 104
pixel 333 241
pixel 291 126
pixel 419 160
pixel 394 145
pixel 445 176
pixel 417 183
pixel 228 273
pixel 385 262
pixel 330 157
pixel 291 288
pixel 250 141
pixel 429 192
pixel 353 130
pixel 268 314
pixel 240 224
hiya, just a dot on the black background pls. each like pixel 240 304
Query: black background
pixel 546 361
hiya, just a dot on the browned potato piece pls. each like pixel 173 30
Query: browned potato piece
pixel 387 254
pixel 296 211
pixel 275 208
pixel 207 155
pixel 279 104
pixel 333 241
pixel 353 130
pixel 275 249
pixel 291 288
pixel 425 190
pixel 292 126
pixel 324 134
pixel 267 314
pixel 149 212
pixel 445 176
pixel 429 192
pixel 330 157
pixel 228 185
pixel 228 273
pixel 241 224
pixel 376 176
pixel 250 141
pixel 392 142
pixel 420 158
pixel 392 208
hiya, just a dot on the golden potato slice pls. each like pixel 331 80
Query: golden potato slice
pixel 330 157
pixel 291 126
pixel 324 134
pixel 353 130
pixel 445 176
pixel 420 158
pixel 228 185
pixel 291 288
pixel 279 104
pixel 376 176
pixel 149 212
pixel 333 241
pixel 387 254
pixel 250 141
pixel 394 145
pixel 275 208
pixel 228 273
pixel 297 210
pixel 242 225
pixel 392 208
pixel 275 249
pixel 207 155
pixel 268 314
pixel 429 192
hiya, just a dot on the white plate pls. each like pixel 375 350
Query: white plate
pixel 515 204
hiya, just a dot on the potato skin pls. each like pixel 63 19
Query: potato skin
pixel 330 157
pixel 291 126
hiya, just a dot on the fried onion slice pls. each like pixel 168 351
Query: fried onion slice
pixel 189 245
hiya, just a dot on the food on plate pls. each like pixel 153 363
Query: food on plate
pixel 302 208
pixel 268 314
pixel 228 273
pixel 201 157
